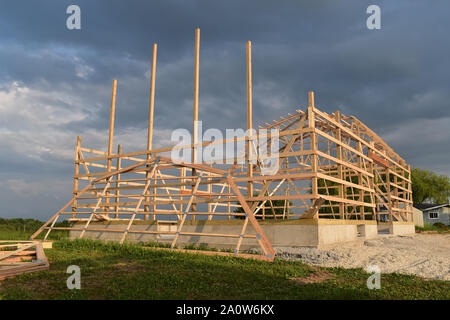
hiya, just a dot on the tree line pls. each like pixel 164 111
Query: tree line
pixel 427 186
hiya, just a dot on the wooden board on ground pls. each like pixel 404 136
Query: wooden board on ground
pixel 18 257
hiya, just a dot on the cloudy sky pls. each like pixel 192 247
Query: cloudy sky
pixel 55 83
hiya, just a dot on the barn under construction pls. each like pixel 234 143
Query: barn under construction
pixel 335 180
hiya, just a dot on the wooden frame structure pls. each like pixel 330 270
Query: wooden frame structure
pixel 18 257
pixel 329 166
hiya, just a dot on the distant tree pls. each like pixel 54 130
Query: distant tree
pixel 427 186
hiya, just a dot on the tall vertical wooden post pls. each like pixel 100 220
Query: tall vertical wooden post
pixel 195 115
pixel 118 167
pixel 75 176
pixel 394 190
pixel 209 189
pixel 313 144
pixel 152 101
pixel 150 127
pixel 196 89
pixel 388 191
pixel 375 212
pixel 182 188
pixel 359 147
pixel 249 118
pixel 111 121
pixel 339 166
pixel 111 134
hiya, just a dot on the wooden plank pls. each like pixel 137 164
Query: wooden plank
pixel 152 101
pixel 377 159
pixel 348 201
pixel 76 172
pixel 249 157
pixel 313 142
pixel 12 253
pixel 344 182
pixel 94 151
pixel 11 267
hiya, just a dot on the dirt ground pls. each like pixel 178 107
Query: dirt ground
pixel 425 255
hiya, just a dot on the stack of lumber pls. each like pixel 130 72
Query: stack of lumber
pixel 17 257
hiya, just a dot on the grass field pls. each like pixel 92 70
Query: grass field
pixel 135 271
pixel 111 271
pixel 436 228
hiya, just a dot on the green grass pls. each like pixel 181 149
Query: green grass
pixel 112 271
pixel 437 227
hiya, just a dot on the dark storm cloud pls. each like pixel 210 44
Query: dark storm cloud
pixel 55 84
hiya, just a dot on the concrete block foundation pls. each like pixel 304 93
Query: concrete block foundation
pixel 289 233
pixel 397 228
pixel 402 228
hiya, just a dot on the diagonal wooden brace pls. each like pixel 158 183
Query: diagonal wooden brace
pixel 260 236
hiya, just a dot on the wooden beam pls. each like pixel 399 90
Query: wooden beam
pixel 196 90
pixel 111 118
pixel 152 100
pixel 150 119
pixel 312 125
pixel 195 115
pixel 249 118
pixel 111 127
pixel 119 164
pixel 76 173
pixel 377 159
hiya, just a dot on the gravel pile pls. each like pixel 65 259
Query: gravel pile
pixel 425 255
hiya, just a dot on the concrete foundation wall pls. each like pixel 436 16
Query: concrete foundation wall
pixel 306 232
pixel 368 231
pixel 402 228
pixel 332 233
